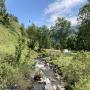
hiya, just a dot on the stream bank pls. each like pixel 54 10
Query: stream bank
pixel 50 80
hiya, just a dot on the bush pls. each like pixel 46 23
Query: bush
pixel 75 69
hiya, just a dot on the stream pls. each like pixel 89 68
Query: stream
pixel 50 80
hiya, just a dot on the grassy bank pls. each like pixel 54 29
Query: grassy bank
pixel 16 63
pixel 74 67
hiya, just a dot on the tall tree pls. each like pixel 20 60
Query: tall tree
pixel 33 35
pixel 4 19
pixel 84 27
pixel 44 40
pixel 71 42
pixel 2 6
pixel 60 31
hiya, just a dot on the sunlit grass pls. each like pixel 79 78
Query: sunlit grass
pixel 75 67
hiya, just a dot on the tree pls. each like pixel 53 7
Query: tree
pixel 72 42
pixel 33 35
pixel 84 27
pixel 60 31
pixel 20 46
pixel 44 38
pixel 13 18
pixel 2 6
pixel 4 19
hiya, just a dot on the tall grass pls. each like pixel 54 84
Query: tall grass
pixel 75 69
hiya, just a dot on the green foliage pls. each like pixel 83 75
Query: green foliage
pixel 17 45
pixel 2 6
pixel 75 69
pixel 71 42
pixel 60 31
pixel 15 57
pixel 19 49
pixel 39 37
pixel 12 18
pixel 8 75
pixel 33 36
pixel 84 28
pixel 44 38
pixel 4 19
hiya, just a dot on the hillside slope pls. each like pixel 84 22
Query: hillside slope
pixel 8 38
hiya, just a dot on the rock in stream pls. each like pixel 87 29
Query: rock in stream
pixel 48 81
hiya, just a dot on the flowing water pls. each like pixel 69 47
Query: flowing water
pixel 52 82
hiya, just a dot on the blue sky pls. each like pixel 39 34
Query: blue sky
pixel 44 11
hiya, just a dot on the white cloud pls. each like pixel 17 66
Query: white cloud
pixel 62 5
pixel 53 18
pixel 62 8
pixel 73 20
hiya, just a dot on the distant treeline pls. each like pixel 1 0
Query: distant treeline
pixel 62 35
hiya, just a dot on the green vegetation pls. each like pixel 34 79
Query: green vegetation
pixel 74 67
pixel 62 35
pixel 16 58
pixel 84 28
pixel 19 46
pixel 39 37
